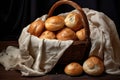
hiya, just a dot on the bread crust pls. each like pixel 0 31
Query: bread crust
pixel 81 35
pixel 36 27
pixel 93 66
pixel 73 69
pixel 66 34
pixel 74 21
pixel 54 23
pixel 47 35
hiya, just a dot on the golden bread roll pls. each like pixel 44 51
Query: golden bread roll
pixel 66 34
pixel 73 69
pixel 54 23
pixel 81 34
pixel 93 66
pixel 36 27
pixel 74 21
pixel 47 35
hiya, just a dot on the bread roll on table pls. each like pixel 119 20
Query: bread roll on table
pixel 73 69
pixel 93 66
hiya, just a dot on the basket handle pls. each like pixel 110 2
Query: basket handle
pixel 76 6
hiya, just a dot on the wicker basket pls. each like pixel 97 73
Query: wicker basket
pixel 78 51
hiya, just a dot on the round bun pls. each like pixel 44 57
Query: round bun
pixel 81 34
pixel 47 35
pixel 66 34
pixel 73 69
pixel 54 23
pixel 93 66
pixel 36 27
pixel 74 21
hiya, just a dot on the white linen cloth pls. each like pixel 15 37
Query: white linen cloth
pixel 105 40
pixel 36 57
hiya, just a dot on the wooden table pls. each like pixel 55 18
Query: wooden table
pixel 56 74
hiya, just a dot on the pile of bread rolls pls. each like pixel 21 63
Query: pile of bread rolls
pixel 93 66
pixel 59 27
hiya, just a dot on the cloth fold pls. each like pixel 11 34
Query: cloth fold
pixel 105 40
pixel 36 57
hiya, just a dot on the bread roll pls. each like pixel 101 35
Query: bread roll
pixel 66 34
pixel 36 27
pixel 47 35
pixel 54 23
pixel 81 34
pixel 74 21
pixel 93 66
pixel 73 69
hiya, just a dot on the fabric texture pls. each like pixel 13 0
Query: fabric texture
pixel 36 57
pixel 105 40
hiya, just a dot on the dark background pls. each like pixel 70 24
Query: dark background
pixel 16 14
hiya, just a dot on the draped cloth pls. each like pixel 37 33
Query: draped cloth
pixel 36 57
pixel 105 40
